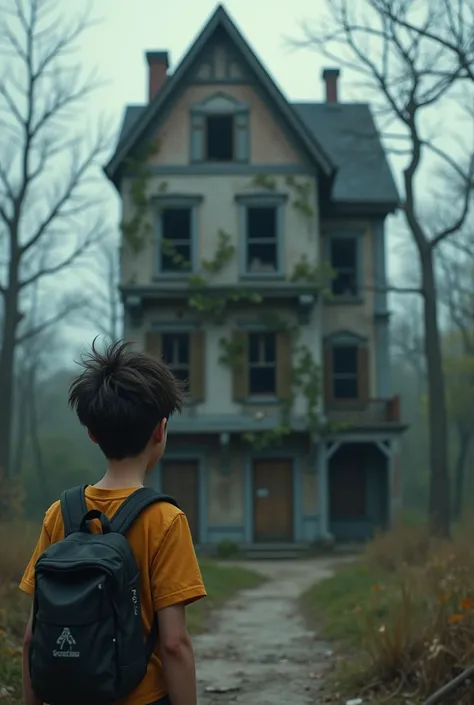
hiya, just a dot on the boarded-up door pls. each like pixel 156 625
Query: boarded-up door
pixel 273 500
pixel 180 479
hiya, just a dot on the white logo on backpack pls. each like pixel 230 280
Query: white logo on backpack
pixel 66 638
pixel 135 602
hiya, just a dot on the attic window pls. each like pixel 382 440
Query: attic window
pixel 220 138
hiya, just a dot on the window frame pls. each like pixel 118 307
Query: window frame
pixel 220 104
pixel 356 234
pixel 349 339
pixel 277 201
pixel 161 204
pixel 253 365
pixel 335 376
pixel 174 366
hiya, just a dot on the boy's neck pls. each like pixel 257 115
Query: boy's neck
pixel 123 473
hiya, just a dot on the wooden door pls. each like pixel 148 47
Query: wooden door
pixel 180 479
pixel 273 500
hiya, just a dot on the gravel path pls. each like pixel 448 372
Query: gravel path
pixel 259 650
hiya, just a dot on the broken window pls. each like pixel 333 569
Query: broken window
pixel 262 363
pixel 175 348
pixel 220 138
pixel 345 372
pixel 262 239
pixel 176 240
pixel 344 264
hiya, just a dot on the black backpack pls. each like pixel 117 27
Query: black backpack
pixel 88 643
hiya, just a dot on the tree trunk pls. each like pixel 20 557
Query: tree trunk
pixel 22 425
pixel 439 502
pixel 11 320
pixel 464 442
pixel 36 448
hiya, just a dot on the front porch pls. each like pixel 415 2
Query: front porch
pixel 284 499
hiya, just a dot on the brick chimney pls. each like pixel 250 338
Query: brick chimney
pixel 157 68
pixel 330 77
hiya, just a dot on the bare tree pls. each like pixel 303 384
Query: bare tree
pixel 101 281
pixel 456 294
pixel 49 162
pixel 407 76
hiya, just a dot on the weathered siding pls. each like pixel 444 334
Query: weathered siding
pixel 268 143
pixel 225 506
pixel 219 211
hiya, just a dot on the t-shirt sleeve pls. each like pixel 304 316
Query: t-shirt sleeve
pixel 27 583
pixel 175 574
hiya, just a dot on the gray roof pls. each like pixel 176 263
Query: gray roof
pixel 348 133
pixel 349 136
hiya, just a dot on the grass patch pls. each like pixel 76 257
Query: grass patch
pixel 337 602
pixel 408 607
pixel 222 582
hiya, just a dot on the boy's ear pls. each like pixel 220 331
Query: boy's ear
pixel 160 431
pixel 93 439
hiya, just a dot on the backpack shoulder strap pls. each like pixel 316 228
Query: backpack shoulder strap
pixel 131 508
pixel 73 508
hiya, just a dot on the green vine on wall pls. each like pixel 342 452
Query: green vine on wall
pixel 305 373
pixel 215 304
pixel 138 230
pixel 305 381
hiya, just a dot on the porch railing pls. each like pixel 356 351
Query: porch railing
pixel 375 411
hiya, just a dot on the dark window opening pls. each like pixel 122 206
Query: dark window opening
pixel 262 246
pixel 176 354
pixel 176 240
pixel 344 264
pixel 345 372
pixel 220 138
pixel 262 363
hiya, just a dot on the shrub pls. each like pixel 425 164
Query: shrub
pixel 408 605
pixel 403 546
pixel 17 542
pixel 227 549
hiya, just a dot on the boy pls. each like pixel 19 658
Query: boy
pixel 124 399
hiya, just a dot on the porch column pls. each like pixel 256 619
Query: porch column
pixel 323 492
pixel 395 489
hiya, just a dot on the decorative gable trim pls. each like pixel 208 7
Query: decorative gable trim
pixel 345 337
pixel 221 103
pixel 220 19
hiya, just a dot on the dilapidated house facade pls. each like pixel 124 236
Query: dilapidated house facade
pixel 253 261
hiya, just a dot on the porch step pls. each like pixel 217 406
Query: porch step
pixel 274 551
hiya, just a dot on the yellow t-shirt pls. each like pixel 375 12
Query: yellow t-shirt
pixel 170 574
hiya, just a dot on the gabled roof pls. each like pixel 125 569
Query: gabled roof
pixel 350 137
pixel 352 141
pixel 220 20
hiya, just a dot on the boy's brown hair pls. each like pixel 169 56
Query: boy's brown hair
pixel 121 396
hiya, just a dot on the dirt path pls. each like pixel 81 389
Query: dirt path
pixel 259 651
